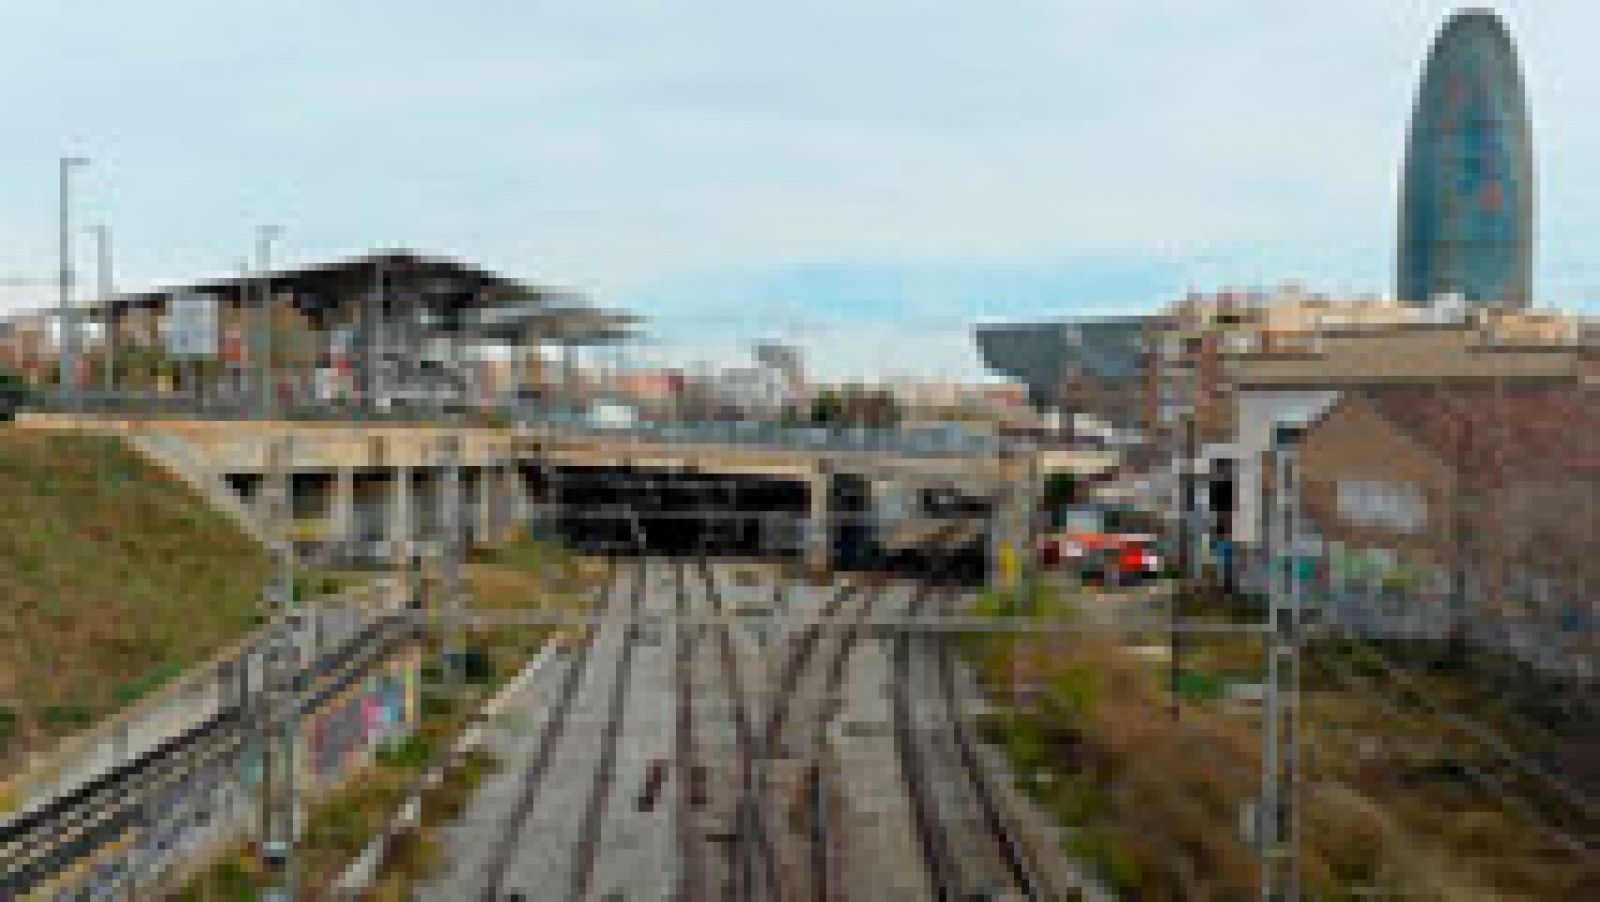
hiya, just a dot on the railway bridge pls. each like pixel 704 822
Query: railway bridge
pixel 371 492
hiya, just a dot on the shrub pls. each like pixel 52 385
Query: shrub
pixel 1073 691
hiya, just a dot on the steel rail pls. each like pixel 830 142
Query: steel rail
pixel 533 773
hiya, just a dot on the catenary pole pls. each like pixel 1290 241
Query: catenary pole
pixel 267 400
pixel 1277 814
pixel 68 326
pixel 278 721
pixel 1185 464
pixel 101 234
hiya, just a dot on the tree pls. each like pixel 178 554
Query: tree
pixel 827 408
pixel 878 408
pixel 14 392
pixel 855 405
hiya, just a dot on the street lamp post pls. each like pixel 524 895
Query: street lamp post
pixel 68 373
pixel 265 236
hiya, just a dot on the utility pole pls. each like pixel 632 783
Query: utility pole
pixel 373 315
pixel 280 669
pixel 102 241
pixel 1276 816
pixel 1026 571
pixel 568 372
pixel 1186 484
pixel 265 236
pixel 68 326
pixel 451 549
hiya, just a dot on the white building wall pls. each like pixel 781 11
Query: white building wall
pixel 1258 413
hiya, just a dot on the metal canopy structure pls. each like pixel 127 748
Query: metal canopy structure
pixel 446 287
pixel 397 319
pixel 532 322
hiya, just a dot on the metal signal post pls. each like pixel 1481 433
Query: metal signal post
pixel 1276 816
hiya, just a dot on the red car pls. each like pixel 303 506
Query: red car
pixel 1100 557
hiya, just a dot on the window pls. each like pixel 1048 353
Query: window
pixel 1392 506
pixel 1241 342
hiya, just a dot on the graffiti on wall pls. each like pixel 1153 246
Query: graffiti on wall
pixel 340 736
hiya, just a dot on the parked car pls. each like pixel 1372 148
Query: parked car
pixel 1104 558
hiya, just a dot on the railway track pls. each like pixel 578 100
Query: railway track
pixel 808 700
pixel 1002 830
pixel 533 774
pixel 755 863
pixel 41 847
pixel 807 696
pixel 914 770
pixel 52 846
pixel 688 764
pixel 587 850
pixel 794 666
pixel 823 877
pixel 970 846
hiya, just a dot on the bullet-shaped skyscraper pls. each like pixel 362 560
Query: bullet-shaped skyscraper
pixel 1466 192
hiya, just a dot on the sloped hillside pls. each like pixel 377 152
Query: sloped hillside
pixel 114 577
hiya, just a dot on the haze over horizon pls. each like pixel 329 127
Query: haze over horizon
pixel 865 181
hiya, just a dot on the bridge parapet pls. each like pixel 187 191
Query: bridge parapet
pixel 234 446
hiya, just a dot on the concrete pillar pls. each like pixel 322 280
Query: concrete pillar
pixel 818 550
pixel 544 521
pixel 492 489
pixel 402 528
pixel 432 503
pixel 483 491
pixel 514 494
pixel 1007 536
pixel 256 499
pixel 1011 545
pixel 342 511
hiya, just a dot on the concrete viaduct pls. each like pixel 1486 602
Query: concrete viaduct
pixel 368 491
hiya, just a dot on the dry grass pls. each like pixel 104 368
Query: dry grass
pixel 114 577
pixel 1155 804
pixel 1152 805
pixel 1428 781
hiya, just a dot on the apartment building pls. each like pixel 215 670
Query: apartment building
pixel 1241 366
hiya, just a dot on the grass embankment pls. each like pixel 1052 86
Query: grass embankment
pixel 1428 760
pixel 114 577
pixel 1155 804
pixel 525 576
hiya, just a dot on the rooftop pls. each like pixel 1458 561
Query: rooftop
pixel 1489 433
pixel 455 295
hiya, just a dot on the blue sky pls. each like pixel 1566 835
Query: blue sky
pixel 865 177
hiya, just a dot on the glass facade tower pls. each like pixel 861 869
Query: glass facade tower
pixel 1466 192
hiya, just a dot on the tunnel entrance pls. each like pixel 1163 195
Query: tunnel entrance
pixel 634 510
pixel 678 511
